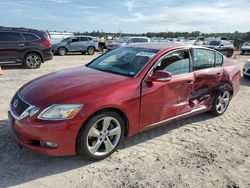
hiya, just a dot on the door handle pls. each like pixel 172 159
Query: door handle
pixel 189 82
pixel 21 44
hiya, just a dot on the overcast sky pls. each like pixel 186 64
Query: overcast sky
pixel 132 16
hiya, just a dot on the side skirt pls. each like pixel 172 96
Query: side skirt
pixel 195 111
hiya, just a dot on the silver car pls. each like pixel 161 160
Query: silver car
pixel 246 69
pixel 245 48
pixel 76 44
pixel 126 41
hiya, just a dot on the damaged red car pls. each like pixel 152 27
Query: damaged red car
pixel 89 109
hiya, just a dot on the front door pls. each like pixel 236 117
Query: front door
pixel 74 45
pixel 163 100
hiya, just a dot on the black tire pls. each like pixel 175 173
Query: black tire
pixel 221 90
pixel 230 53
pixel 83 139
pixel 32 60
pixel 101 47
pixel 62 51
pixel 91 50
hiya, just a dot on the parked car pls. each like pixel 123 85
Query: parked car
pixel 223 46
pixel 121 93
pixel 126 41
pixel 246 69
pixel 76 44
pixel 245 48
pixel 21 46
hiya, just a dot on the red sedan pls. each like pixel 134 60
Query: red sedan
pixel 88 110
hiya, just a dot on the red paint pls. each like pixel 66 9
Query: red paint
pixel 142 102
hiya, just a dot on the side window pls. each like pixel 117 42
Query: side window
pixel 10 37
pixel 176 63
pixel 30 37
pixel 74 40
pixel 144 40
pixel 218 59
pixel 202 59
pixel 132 40
pixel 90 39
pixel 84 38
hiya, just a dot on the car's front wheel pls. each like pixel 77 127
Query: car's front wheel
pixel 221 101
pixel 62 51
pixel 101 136
pixel 230 53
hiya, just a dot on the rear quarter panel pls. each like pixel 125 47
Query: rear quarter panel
pixel 233 72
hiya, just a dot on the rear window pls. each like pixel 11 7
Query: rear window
pixel 218 59
pixel 10 37
pixel 30 37
pixel 203 59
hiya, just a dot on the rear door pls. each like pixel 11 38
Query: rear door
pixel 207 74
pixel 11 46
pixel 163 100
pixel 84 43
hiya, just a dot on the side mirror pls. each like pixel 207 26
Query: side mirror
pixel 160 76
pixel 69 41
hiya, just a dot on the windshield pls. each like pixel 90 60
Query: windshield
pixel 64 40
pixel 124 61
pixel 214 43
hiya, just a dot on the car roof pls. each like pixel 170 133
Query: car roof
pixel 19 29
pixel 162 46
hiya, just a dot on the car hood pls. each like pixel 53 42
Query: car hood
pixel 68 85
pixel 245 47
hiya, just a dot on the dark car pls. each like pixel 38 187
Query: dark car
pixel 223 46
pixel 76 44
pixel 21 46
pixel 88 110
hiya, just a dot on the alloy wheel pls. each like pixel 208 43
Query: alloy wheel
pixel 33 61
pixel 222 102
pixel 103 136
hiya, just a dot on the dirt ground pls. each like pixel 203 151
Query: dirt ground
pixel 202 151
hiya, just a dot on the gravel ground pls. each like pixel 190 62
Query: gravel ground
pixel 202 151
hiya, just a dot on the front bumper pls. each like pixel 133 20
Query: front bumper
pixel 246 70
pixel 30 132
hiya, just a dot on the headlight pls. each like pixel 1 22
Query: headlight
pixel 60 112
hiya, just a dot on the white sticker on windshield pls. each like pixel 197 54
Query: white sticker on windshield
pixel 145 54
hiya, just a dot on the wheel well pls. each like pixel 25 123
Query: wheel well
pixel 91 46
pixel 121 113
pixel 61 47
pixel 230 87
pixel 35 52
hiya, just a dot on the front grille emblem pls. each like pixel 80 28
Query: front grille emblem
pixel 15 103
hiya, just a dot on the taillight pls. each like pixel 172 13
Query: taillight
pixel 47 43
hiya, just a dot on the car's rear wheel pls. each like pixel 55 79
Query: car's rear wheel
pixel 91 50
pixel 32 61
pixel 101 136
pixel 62 51
pixel 221 101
